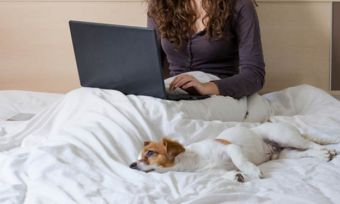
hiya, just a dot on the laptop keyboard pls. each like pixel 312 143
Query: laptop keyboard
pixel 180 94
pixel 178 97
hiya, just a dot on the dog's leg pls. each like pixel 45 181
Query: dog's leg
pixel 290 137
pixel 242 163
pixel 322 154
pixel 307 149
pixel 285 135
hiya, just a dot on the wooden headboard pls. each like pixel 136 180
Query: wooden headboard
pixel 36 51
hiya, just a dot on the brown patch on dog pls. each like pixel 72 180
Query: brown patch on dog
pixel 173 148
pixel 163 153
pixel 222 141
pixel 146 143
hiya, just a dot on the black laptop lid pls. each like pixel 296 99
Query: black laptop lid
pixel 117 57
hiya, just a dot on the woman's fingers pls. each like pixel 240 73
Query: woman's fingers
pixel 189 84
pixel 174 82
pixel 183 81
pixel 194 88
pixel 180 80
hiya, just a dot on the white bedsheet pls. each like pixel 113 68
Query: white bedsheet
pixel 14 102
pixel 17 107
pixel 78 151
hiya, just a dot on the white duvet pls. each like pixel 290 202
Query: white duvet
pixel 78 151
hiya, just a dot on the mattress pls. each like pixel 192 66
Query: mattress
pixel 77 148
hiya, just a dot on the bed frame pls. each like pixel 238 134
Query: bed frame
pixel 36 51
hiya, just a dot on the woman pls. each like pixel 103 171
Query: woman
pixel 219 37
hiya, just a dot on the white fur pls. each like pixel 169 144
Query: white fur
pixel 248 148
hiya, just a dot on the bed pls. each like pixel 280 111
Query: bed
pixel 77 147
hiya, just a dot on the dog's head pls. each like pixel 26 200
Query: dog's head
pixel 158 156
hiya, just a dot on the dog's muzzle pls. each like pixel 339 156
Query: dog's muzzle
pixel 134 165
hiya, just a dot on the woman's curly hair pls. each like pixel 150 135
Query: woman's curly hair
pixel 175 18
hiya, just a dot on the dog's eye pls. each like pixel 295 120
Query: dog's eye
pixel 150 153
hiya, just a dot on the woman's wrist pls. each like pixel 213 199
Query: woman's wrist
pixel 211 88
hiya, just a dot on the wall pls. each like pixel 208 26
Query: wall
pixel 36 51
pixel 35 47
pixel 296 41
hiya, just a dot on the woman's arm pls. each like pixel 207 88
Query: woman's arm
pixel 251 64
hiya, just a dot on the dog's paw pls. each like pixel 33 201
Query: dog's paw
pixel 332 154
pixel 256 175
pixel 261 175
pixel 236 176
pixel 329 154
pixel 239 177
pixel 254 172
pixel 326 154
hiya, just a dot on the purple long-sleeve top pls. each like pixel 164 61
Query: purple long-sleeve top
pixel 236 59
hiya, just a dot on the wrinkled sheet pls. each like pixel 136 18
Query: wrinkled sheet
pixel 17 107
pixel 13 102
pixel 78 151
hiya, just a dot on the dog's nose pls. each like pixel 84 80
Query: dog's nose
pixel 133 165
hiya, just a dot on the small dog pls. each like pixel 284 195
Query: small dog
pixel 237 150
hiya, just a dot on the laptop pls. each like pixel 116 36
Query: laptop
pixel 122 58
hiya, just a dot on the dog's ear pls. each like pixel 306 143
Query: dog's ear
pixel 146 143
pixel 173 148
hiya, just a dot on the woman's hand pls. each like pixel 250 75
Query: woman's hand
pixel 187 82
